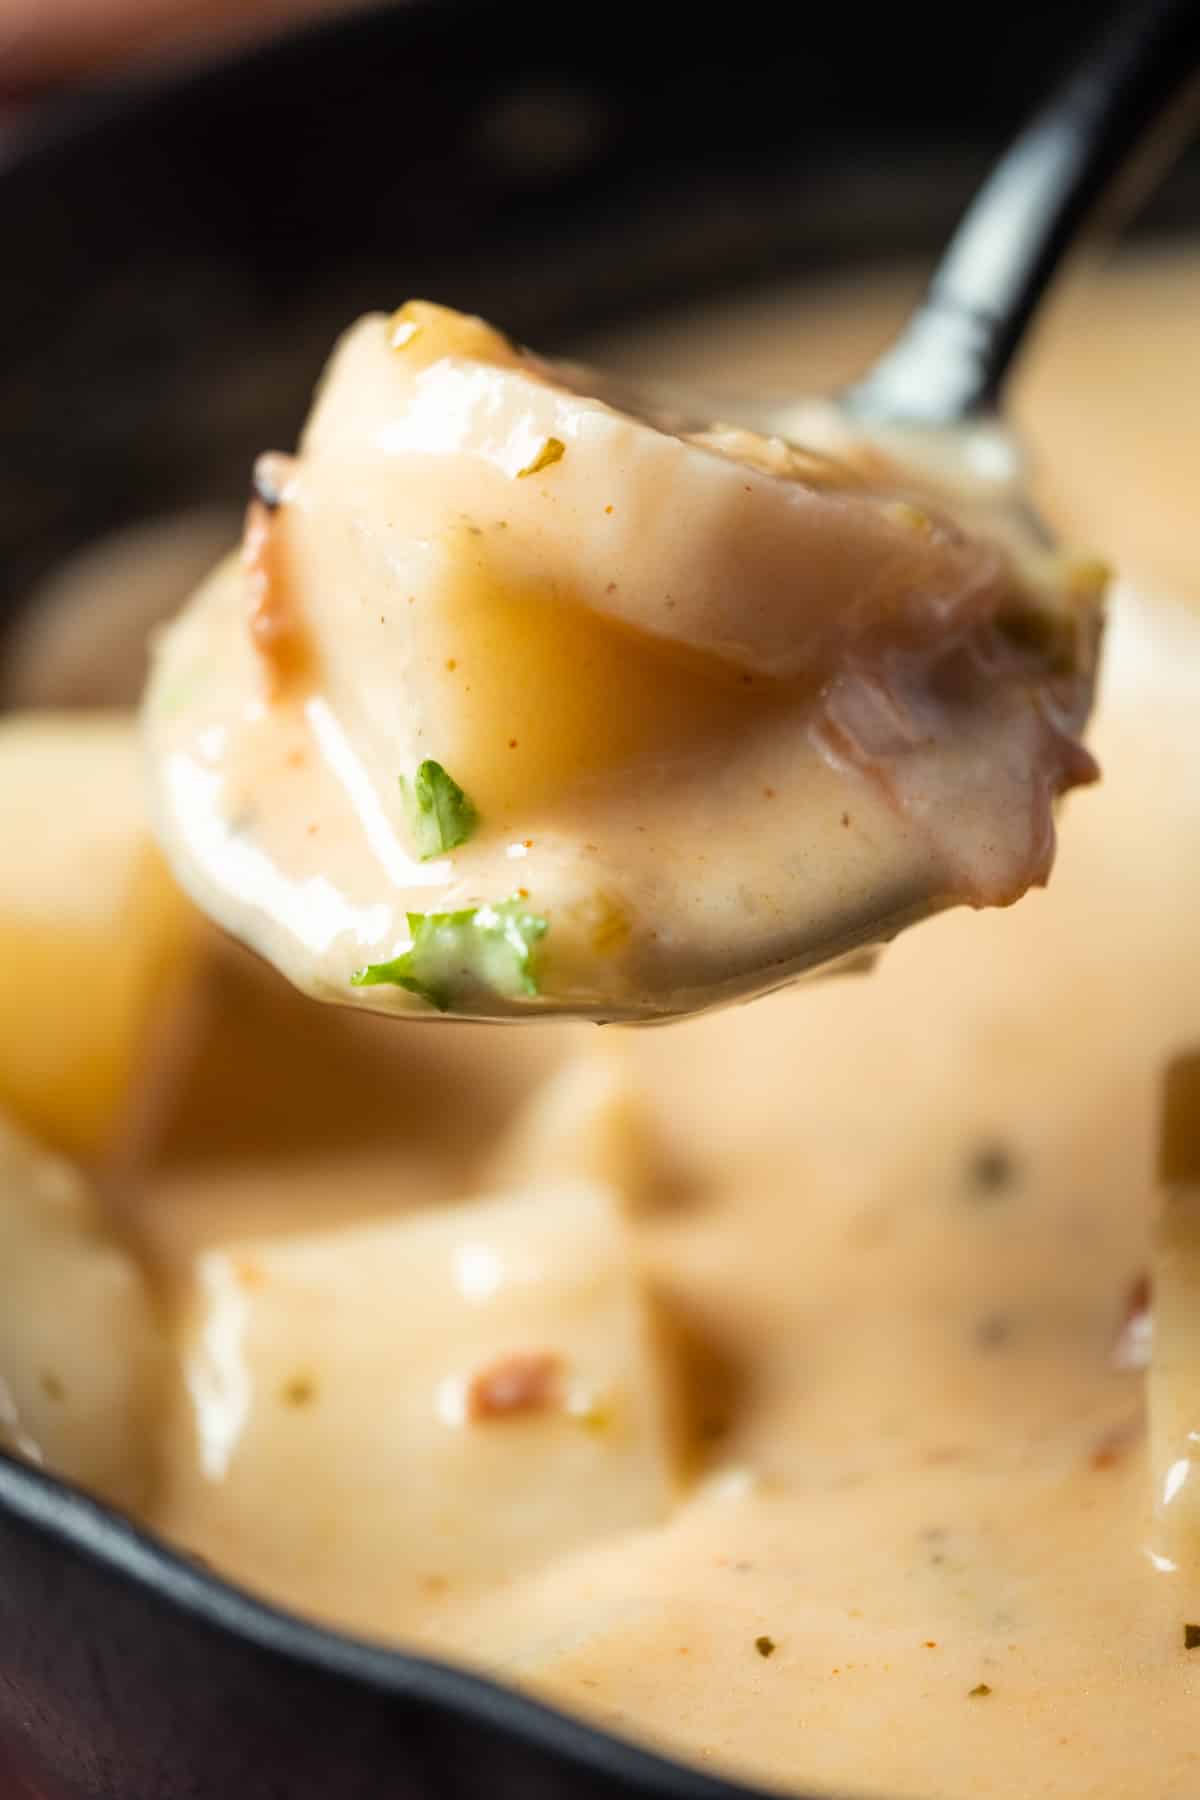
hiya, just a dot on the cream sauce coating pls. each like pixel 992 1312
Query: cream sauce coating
pixel 899 1221
pixel 724 709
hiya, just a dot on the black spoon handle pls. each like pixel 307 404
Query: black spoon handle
pixel 950 361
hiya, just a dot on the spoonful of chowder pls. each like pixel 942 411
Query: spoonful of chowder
pixel 519 702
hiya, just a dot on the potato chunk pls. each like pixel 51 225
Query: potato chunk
pixel 1174 1379
pixel 445 1400
pixel 585 1122
pixel 81 1354
pixel 91 926
pixel 704 711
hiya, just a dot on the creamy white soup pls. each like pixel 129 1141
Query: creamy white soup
pixel 771 1387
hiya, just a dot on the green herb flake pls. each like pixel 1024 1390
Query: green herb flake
pixel 552 451
pixel 992 1170
pixel 490 947
pixel 1191 1637
pixel 980 1692
pixel 442 816
pixel 299 1390
pixel 765 1646
pixel 594 1412
pixel 909 517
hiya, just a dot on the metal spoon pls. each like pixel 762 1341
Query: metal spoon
pixel 951 360
pixel 1106 133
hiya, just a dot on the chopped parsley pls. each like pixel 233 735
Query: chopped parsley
pixel 991 1170
pixel 1191 1637
pixel 442 816
pixel 552 451
pixel 490 947
pixel 765 1646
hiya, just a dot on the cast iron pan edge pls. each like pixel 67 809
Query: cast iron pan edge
pixel 129 1672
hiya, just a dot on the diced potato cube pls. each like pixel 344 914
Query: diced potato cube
pixel 1179 1134
pixel 91 926
pixel 585 1122
pixel 81 1354
pixel 1174 1381
pixel 426 331
pixel 1174 1378
pixel 377 1413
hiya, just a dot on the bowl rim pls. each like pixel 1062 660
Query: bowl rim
pixel 98 1534
pixel 65 118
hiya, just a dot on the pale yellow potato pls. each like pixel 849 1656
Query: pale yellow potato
pixel 586 1122
pixel 81 1351
pixel 1173 1382
pixel 93 931
pixel 343 1427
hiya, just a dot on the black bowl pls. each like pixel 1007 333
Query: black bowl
pixel 179 254
pixel 129 1672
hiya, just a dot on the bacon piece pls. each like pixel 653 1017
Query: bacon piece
pixel 275 630
pixel 527 1381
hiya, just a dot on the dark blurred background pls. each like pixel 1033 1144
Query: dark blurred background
pixel 186 230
